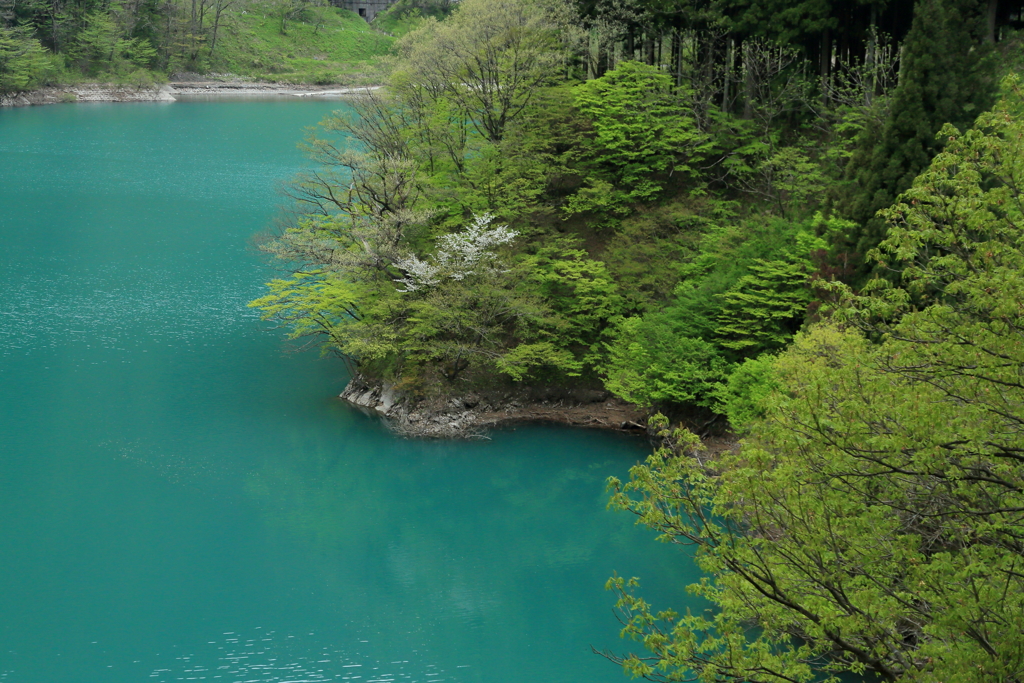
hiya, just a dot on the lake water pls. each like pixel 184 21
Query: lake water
pixel 182 498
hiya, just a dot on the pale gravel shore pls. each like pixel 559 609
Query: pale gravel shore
pixel 170 92
pixel 230 89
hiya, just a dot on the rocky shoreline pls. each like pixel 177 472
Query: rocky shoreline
pixel 172 91
pixel 472 414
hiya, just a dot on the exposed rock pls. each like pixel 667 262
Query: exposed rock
pixel 238 86
pixel 388 399
pixel 469 416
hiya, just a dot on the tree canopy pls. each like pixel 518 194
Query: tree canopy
pixel 872 522
pixel 947 76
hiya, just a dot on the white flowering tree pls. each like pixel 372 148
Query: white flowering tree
pixel 458 255
pixel 467 304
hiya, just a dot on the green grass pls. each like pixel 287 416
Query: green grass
pixel 405 15
pixel 397 26
pixel 343 49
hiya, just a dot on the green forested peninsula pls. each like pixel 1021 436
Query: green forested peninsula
pixel 802 220
pixel 655 201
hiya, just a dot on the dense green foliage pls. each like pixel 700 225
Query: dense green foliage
pixel 872 521
pixel 743 293
pixel 24 63
pixel 642 130
pixel 946 77
pixel 660 233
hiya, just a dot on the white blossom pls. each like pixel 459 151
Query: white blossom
pixel 418 273
pixel 458 255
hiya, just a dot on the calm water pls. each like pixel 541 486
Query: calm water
pixel 182 499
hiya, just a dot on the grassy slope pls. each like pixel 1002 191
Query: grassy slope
pixel 405 15
pixel 396 26
pixel 345 49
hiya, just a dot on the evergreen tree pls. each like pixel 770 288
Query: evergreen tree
pixel 946 76
pixel 24 63
pixel 763 310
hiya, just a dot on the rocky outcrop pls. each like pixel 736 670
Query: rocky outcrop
pixel 452 420
pixel 472 414
pixel 380 397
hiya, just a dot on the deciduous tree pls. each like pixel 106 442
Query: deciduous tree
pixel 488 57
pixel 873 523
pixel 641 131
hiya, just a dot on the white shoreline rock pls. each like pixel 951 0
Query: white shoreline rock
pixel 88 92
pixel 389 403
pixel 470 415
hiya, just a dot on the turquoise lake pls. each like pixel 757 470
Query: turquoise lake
pixel 182 495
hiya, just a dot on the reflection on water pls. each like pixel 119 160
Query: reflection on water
pixel 182 500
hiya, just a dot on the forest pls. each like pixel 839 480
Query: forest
pixel 655 203
pixel 800 221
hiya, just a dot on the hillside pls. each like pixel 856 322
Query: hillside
pixel 325 45
pixel 285 42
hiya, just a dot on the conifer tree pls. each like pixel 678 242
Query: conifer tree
pixel 763 310
pixel 24 63
pixel 946 76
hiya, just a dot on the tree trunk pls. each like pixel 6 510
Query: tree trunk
pixel 677 57
pixel 871 57
pixel 993 11
pixel 825 59
pixel 730 60
pixel 749 81
pixel 593 52
pixel 219 11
